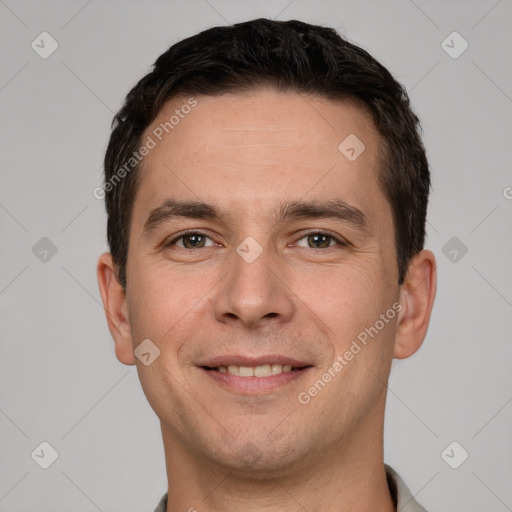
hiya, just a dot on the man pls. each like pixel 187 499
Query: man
pixel 266 190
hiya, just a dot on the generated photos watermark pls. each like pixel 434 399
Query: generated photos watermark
pixel 156 136
pixel 343 360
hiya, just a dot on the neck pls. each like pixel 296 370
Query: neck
pixel 348 477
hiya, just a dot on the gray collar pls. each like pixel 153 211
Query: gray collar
pixel 402 497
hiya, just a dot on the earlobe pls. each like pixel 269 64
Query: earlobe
pixel 116 308
pixel 417 296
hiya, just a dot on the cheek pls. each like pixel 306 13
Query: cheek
pixel 368 323
pixel 166 302
pixel 362 342
pixel 345 301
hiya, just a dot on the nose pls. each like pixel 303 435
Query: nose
pixel 254 294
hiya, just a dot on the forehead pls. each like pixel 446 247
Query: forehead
pixel 259 148
pixel 265 116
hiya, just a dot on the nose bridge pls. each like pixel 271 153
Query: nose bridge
pixel 254 291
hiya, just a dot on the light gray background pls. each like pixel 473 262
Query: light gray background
pixel 60 381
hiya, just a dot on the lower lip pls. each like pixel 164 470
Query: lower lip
pixel 254 385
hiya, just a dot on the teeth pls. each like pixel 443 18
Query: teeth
pixel 234 370
pixel 264 370
pixel 245 371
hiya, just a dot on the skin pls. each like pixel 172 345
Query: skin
pixel 229 451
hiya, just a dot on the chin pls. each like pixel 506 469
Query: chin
pixel 257 460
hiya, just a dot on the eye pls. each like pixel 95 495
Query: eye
pixel 321 240
pixel 191 240
pixel 198 240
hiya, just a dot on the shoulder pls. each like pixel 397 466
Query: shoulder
pixel 162 505
pixel 405 501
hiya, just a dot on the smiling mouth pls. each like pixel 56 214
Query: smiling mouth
pixel 264 370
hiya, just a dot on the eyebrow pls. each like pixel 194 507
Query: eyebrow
pixel 287 210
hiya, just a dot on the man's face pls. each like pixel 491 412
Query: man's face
pixel 256 286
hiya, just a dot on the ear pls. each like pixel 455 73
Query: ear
pixel 114 302
pixel 417 295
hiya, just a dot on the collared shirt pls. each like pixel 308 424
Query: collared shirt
pixel 401 495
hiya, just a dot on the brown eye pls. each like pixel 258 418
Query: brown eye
pixel 319 240
pixel 192 240
pixel 322 240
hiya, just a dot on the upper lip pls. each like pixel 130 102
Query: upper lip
pixel 240 360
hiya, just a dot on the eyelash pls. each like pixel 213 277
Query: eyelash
pixel 340 242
